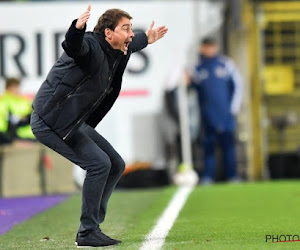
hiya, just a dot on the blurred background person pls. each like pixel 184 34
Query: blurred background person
pixel 220 89
pixel 15 111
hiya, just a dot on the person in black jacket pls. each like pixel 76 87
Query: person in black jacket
pixel 79 90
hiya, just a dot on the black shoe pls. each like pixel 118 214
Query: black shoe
pixel 93 239
pixel 101 236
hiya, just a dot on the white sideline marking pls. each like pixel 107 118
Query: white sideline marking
pixel 156 238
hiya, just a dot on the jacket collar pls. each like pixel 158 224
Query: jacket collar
pixel 106 46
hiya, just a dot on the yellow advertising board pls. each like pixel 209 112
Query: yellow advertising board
pixel 279 79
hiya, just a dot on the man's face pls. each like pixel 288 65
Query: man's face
pixel 121 36
pixel 209 50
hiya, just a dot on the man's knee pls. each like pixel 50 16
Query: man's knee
pixel 100 164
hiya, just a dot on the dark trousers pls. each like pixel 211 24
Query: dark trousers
pixel 103 164
pixel 226 139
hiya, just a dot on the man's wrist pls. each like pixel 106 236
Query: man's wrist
pixel 147 37
pixel 78 28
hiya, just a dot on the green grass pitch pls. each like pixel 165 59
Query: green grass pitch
pixel 223 216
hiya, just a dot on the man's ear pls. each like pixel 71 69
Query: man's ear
pixel 108 33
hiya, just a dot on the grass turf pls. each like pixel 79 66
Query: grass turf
pixel 238 216
pixel 131 214
pixel 222 216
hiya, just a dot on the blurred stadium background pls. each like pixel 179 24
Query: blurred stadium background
pixel 263 38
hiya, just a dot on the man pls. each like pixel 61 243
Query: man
pixel 77 93
pixel 220 90
pixel 15 112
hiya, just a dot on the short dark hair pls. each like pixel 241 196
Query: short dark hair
pixel 12 81
pixel 209 41
pixel 110 19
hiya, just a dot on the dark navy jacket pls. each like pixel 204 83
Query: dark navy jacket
pixel 84 83
pixel 219 89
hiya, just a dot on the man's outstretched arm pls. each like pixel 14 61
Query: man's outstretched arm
pixel 74 45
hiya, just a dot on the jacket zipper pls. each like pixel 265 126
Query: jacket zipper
pixel 73 91
pixel 107 91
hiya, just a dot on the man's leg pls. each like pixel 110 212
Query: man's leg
pixel 116 170
pixel 229 155
pixel 210 137
pixel 83 151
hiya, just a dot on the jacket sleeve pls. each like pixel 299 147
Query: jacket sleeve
pixel 139 42
pixel 74 44
pixel 238 87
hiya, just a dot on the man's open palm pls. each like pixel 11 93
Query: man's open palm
pixel 84 17
pixel 155 34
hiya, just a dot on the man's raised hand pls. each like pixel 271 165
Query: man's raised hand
pixel 84 17
pixel 155 34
